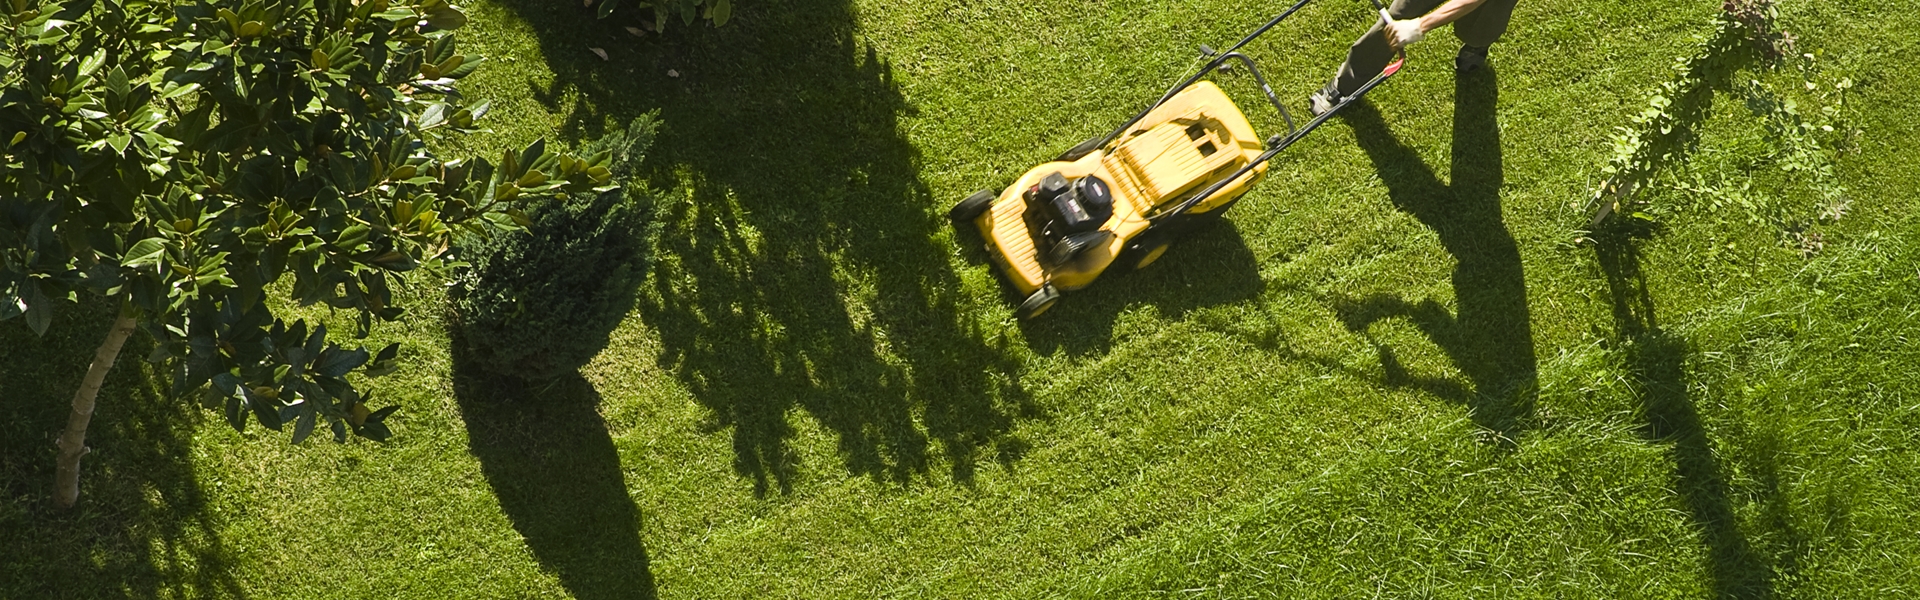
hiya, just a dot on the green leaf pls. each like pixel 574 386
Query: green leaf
pixel 265 412
pixel 93 63
pixel 119 142
pixel 39 310
pixel 434 116
pixel 52 34
pixel 527 157
pixel 376 431
pixel 722 11
pixel 179 90
pixel 117 82
pixel 236 413
pixel 146 252
pixel 317 342
pixel 381 415
pixel 334 362
pixel 468 64
pixel 353 237
pixel 385 363
pixel 155 141
pixel 607 6
pixel 441 50
pixel 394 14
pixel 303 427
pixel 447 17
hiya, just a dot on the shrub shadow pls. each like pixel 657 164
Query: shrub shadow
pixel 797 266
pixel 547 454
pixel 1655 362
pixel 1490 337
pixel 143 527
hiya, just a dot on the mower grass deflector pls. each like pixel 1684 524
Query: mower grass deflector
pixel 1123 197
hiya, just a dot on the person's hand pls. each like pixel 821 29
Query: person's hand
pixel 1401 34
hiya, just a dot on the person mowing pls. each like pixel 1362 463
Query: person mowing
pixel 1478 24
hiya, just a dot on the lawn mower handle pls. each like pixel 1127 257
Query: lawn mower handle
pixel 1276 143
pixel 1218 59
pixel 1234 53
pixel 1279 142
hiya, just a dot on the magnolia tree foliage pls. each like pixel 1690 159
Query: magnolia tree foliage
pixel 182 158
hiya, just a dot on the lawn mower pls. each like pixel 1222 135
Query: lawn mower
pixel 1121 198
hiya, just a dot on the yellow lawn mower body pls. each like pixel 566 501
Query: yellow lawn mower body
pixel 1119 199
pixel 1197 139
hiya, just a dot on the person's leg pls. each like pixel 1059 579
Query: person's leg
pixel 1485 25
pixel 1371 53
pixel 1479 30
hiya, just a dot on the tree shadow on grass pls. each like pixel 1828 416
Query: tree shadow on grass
pixel 1656 364
pixel 547 454
pixel 1490 337
pixel 143 527
pixel 797 263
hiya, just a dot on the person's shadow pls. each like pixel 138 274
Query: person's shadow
pixel 1489 338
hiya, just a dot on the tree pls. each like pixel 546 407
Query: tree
pixel 183 158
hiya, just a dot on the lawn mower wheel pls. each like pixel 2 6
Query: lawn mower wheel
pixel 972 207
pixel 1041 300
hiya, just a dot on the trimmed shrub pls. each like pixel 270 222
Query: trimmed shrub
pixel 540 303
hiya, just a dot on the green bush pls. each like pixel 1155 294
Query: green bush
pixel 539 303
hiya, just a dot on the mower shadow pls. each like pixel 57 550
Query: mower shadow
pixel 143 528
pixel 551 462
pixel 1490 337
pixel 1655 361
pixel 797 267
pixel 1210 266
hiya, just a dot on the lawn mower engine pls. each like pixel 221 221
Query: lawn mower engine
pixel 1065 215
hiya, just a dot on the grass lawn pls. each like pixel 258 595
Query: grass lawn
pixel 1392 372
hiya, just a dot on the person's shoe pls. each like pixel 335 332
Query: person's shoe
pixel 1324 100
pixel 1469 59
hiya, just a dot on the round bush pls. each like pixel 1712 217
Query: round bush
pixel 539 303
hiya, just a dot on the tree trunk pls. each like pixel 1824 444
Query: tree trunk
pixel 73 442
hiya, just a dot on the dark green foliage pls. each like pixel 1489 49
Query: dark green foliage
pixel 718 11
pixel 540 303
pixel 182 158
